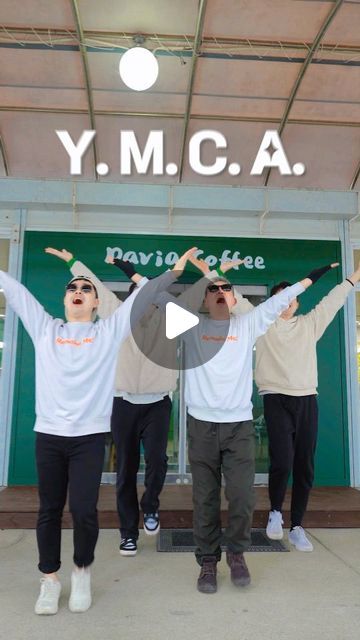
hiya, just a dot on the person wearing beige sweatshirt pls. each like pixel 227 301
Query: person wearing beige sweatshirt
pixel 142 405
pixel 286 376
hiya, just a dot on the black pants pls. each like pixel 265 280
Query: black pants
pixel 227 448
pixel 61 463
pixel 132 424
pixel 292 423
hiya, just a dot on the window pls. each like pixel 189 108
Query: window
pixel 4 258
pixel 357 298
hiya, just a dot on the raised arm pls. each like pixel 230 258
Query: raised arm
pixel 325 311
pixel 149 295
pixel 29 310
pixel 108 301
pixel 266 313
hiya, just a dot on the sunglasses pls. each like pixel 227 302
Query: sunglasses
pixel 85 288
pixel 214 288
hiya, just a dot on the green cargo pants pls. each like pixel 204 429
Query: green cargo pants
pixel 227 448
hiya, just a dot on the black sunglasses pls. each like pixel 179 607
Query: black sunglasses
pixel 213 288
pixel 85 288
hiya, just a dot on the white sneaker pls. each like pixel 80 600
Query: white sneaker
pixel 80 597
pixel 298 538
pixel 48 600
pixel 274 529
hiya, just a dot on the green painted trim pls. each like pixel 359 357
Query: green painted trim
pixel 290 258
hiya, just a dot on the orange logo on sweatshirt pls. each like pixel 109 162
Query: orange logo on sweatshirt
pixel 219 338
pixel 74 343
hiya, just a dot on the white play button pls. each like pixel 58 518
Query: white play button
pixel 166 320
pixel 178 320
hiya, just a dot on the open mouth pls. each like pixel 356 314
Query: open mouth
pixel 77 301
pixel 220 300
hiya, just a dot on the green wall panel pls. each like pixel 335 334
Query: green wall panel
pixel 46 276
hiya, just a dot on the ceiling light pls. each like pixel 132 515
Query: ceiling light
pixel 138 66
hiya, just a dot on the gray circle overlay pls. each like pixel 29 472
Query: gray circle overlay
pixel 191 349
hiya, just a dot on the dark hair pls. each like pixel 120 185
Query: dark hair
pixel 279 287
pixel 131 288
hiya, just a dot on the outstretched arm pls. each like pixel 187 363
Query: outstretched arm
pixel 203 266
pixel 130 271
pixel 108 301
pixel 149 295
pixel 355 277
pixel 29 310
pixel 325 311
pixel 266 313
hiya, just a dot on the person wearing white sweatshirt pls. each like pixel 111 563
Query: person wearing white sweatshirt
pixel 221 433
pixel 142 406
pixel 290 403
pixel 75 368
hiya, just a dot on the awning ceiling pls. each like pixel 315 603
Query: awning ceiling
pixel 234 66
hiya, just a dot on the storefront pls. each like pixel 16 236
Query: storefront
pixel 268 260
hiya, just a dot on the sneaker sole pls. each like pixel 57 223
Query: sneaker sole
pixel 149 532
pixel 275 536
pixel 75 609
pixel 45 612
pixel 302 550
pixel 123 552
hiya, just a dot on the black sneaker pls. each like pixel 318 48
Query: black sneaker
pixel 151 523
pixel 128 547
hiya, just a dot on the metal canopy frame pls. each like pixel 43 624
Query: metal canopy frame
pixel 315 45
pixel 194 46
pixel 195 54
pixel 85 64
pixel 3 156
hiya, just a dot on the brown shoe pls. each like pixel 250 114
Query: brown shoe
pixel 207 579
pixel 240 575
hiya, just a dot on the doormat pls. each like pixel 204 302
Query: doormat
pixel 179 540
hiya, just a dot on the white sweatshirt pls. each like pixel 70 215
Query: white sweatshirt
pixel 220 390
pixel 75 361
pixel 138 378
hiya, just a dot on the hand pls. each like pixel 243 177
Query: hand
pixel 181 263
pixel 200 264
pixel 63 254
pixel 230 264
pixel 109 259
pixel 334 265
pixel 355 277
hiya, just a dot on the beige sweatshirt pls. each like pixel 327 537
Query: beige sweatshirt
pixel 286 359
pixel 136 373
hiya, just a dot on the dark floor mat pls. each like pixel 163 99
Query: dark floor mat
pixel 178 540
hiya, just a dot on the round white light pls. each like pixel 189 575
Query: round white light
pixel 138 68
